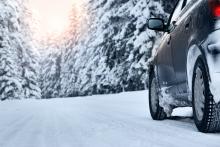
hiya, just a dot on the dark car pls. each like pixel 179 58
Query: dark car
pixel 185 70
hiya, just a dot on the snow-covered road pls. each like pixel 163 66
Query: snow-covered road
pixel 120 120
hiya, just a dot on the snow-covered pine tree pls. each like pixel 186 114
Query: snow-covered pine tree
pixel 29 55
pixel 50 72
pixel 70 86
pixel 10 81
pixel 18 78
pixel 112 56
pixel 168 5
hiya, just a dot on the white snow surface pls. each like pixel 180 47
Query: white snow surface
pixel 120 120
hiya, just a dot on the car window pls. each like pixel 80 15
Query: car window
pixel 177 11
pixel 188 1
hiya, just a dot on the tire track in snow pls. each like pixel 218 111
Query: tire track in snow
pixel 120 120
pixel 13 130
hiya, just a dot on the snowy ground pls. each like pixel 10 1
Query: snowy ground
pixel 120 120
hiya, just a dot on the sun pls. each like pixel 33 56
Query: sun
pixel 51 16
pixel 56 25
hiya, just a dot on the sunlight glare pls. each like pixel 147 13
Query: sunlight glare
pixel 52 16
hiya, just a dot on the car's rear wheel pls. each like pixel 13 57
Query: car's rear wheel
pixel 203 103
pixel 157 112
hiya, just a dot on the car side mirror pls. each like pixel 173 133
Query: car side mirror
pixel 156 24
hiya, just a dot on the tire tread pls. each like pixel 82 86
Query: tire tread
pixel 211 120
pixel 160 115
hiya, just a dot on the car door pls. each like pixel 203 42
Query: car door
pixel 164 64
pixel 165 68
pixel 180 38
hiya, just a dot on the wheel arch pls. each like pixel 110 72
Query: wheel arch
pixel 152 66
pixel 194 52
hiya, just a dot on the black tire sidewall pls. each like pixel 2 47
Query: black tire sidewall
pixel 158 114
pixel 201 125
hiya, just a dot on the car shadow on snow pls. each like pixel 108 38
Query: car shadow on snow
pixel 187 122
pixel 188 119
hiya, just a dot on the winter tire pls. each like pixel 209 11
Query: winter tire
pixel 205 111
pixel 157 112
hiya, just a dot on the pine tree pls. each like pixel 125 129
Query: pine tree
pixel 29 56
pixel 18 77
pixel 50 72
pixel 10 86
pixel 112 55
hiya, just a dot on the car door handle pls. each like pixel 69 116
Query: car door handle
pixel 187 26
pixel 188 22
pixel 169 40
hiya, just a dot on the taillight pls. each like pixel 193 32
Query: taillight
pixel 215 7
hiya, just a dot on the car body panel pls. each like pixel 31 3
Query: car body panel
pixel 211 48
pixel 166 74
pixel 195 29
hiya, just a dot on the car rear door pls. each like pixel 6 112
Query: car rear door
pixel 165 68
pixel 183 29
pixel 164 64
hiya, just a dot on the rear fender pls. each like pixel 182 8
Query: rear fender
pixel 194 53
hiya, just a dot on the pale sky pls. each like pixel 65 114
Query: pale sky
pixel 52 15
